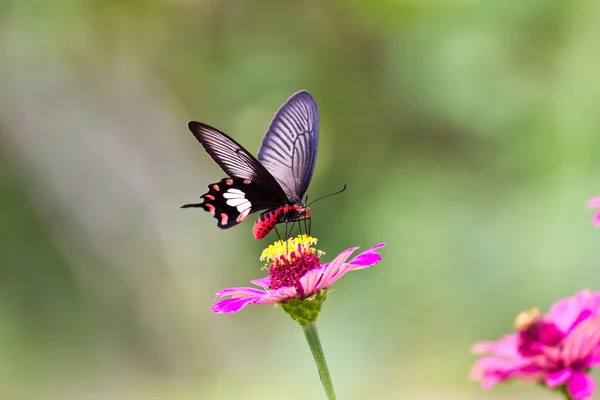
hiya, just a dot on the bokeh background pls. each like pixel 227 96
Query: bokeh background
pixel 467 132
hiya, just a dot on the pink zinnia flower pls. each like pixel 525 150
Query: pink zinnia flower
pixel 295 273
pixel 556 349
pixel 595 203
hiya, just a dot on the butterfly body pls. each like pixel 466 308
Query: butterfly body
pixel 275 181
pixel 288 213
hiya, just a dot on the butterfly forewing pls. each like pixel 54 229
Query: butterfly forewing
pixel 289 148
pixel 233 159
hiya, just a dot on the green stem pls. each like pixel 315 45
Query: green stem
pixel 562 390
pixel 312 337
pixel 565 392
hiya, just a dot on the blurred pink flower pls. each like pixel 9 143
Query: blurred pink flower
pixel 555 349
pixel 294 274
pixel 595 203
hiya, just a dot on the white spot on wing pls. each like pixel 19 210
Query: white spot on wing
pixel 245 206
pixel 236 202
pixel 234 194
pixel 236 198
pixel 244 214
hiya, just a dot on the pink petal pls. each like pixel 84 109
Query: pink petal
pixel 565 312
pixel 594 203
pixel 492 370
pixel 593 303
pixel 556 379
pixel 594 360
pixel 329 272
pixel 365 259
pixel 377 246
pixel 507 346
pixel 582 343
pixel 596 219
pixel 274 296
pixel 239 292
pixel 333 271
pixel 483 347
pixel 230 306
pixel 262 282
pixel 310 280
pixel 235 304
pixel 581 386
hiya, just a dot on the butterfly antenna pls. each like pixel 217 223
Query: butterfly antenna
pixel 327 195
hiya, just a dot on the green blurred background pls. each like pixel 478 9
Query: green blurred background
pixel 467 132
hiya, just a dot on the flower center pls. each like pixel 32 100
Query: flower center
pixel 525 318
pixel 291 260
pixel 535 334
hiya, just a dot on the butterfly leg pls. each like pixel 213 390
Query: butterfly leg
pixel 292 227
pixel 277 232
pixel 286 237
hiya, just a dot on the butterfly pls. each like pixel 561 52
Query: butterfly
pixel 275 181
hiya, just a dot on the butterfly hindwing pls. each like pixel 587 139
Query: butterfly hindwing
pixel 233 199
pixel 289 148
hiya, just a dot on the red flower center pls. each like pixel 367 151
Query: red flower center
pixel 286 270
pixel 537 336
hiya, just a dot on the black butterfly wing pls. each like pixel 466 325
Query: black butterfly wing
pixel 232 200
pixel 250 187
pixel 289 148
pixel 236 161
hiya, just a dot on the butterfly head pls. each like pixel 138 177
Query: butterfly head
pixel 301 211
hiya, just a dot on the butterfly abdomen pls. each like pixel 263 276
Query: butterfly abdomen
pixel 267 220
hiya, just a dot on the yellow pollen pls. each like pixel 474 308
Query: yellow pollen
pixel 525 318
pixel 281 248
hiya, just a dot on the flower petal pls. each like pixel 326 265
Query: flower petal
pixel 235 304
pixel 282 293
pixel 596 219
pixel 565 313
pixel 230 306
pixel 493 370
pixel 239 292
pixel 483 347
pixel 262 282
pixel 558 378
pixel 375 247
pixel 365 259
pixel 582 343
pixel 581 386
pixel 328 276
pixel 507 346
pixel 593 203
pixel 310 280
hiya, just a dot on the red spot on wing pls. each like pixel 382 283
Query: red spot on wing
pixel 224 219
pixel 209 196
pixel 229 182
pixel 209 207
pixel 216 188
pixel 247 181
pixel 242 216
